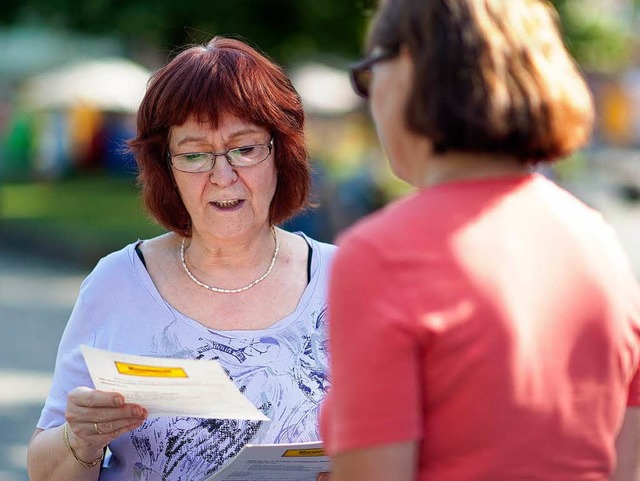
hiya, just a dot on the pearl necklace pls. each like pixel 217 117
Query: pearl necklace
pixel 240 289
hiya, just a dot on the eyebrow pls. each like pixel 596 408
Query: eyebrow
pixel 190 138
pixel 202 138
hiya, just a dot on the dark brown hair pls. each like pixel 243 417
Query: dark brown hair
pixel 223 76
pixel 491 76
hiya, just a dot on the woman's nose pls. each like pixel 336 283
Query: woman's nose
pixel 222 173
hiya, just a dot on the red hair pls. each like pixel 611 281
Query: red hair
pixel 224 76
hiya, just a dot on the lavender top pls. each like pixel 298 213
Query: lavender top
pixel 281 369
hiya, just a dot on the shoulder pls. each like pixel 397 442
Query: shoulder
pixel 160 247
pixel 564 201
pixel 115 260
pixel 324 251
pixel 384 226
pixel 320 261
pixel 571 214
pixel 111 270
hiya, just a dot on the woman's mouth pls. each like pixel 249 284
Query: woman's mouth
pixel 227 204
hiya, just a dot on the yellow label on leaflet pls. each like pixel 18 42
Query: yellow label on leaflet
pixel 149 371
pixel 289 453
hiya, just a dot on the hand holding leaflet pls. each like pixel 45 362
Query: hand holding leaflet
pixel 170 386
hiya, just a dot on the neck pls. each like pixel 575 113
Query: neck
pixel 234 272
pixel 209 252
pixel 461 166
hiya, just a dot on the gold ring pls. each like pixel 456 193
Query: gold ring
pixel 95 425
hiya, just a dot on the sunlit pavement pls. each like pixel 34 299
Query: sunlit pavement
pixel 35 303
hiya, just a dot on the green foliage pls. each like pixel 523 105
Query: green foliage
pixel 283 28
pixel 292 29
pixel 90 215
pixel 600 40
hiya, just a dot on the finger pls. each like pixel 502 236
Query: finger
pixel 323 476
pixel 87 397
pixel 105 420
pixel 104 415
pixel 88 435
pixel 112 425
pixel 125 429
pixel 113 430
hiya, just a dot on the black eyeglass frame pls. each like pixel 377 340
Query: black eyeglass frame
pixel 362 68
pixel 268 145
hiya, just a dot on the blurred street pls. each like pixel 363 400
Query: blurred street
pixel 36 298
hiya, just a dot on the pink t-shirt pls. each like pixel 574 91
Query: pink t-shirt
pixel 497 321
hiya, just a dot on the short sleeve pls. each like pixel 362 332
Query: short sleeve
pixel 374 355
pixel 70 370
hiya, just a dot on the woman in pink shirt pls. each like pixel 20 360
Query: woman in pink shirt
pixel 487 327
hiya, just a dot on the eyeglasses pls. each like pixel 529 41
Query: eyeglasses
pixel 361 71
pixel 246 156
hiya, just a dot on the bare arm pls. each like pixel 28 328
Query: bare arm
pixel 49 458
pixel 628 448
pixel 390 462
pixel 94 418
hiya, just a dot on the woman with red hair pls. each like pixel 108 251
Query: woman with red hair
pixel 222 161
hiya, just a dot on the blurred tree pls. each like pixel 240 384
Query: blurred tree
pixel 601 40
pixel 284 28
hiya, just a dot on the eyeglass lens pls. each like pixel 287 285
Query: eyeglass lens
pixel 204 161
pixel 361 80
pixel 361 74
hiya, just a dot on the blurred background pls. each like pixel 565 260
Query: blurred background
pixel 73 72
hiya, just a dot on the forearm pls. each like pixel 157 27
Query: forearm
pixel 49 458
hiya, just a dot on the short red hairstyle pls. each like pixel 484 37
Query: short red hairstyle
pixel 223 76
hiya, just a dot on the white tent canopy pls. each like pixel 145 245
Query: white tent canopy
pixel 325 90
pixel 117 84
pixel 111 84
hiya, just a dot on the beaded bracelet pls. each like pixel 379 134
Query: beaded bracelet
pixel 86 464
